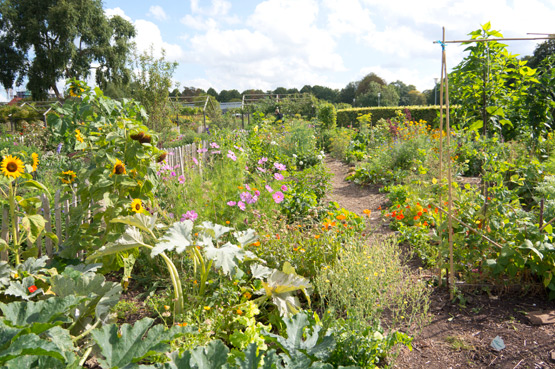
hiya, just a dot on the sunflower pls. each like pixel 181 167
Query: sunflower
pixel 78 135
pixel 35 157
pixel 12 166
pixel 137 205
pixel 68 176
pixel 119 167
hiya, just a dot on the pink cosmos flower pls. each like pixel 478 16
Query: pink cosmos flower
pixel 279 166
pixel 231 203
pixel 241 205
pixel 191 215
pixel 195 161
pixel 181 179
pixel 214 145
pixel 262 161
pixel 247 187
pixel 278 176
pixel 257 193
pixel 173 174
pixel 268 188
pixel 261 169
pixel 231 155
pixel 200 151
pixel 284 188
pixel 278 197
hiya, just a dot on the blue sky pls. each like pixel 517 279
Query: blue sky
pixel 231 44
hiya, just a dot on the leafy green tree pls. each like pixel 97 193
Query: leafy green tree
pixel 540 100
pixel 212 92
pixel 348 93
pixel 490 84
pixel 364 84
pixel 151 86
pixel 47 40
pixel 325 93
pixel 388 96
pixel 280 91
pixel 542 51
pixel 229 95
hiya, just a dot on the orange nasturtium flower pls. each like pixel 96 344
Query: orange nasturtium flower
pixel 12 166
pixel 367 212
pixel 341 217
pixel 32 289
pixel 328 224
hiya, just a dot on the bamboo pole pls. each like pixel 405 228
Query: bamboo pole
pixel 495 39
pixel 440 179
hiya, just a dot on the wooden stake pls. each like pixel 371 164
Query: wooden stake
pixel 440 179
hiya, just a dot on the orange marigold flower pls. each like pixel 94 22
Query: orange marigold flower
pixel 367 212
pixel 341 217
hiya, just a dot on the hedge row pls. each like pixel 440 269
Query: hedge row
pixel 348 117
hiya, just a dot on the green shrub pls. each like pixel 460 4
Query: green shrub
pixel 327 116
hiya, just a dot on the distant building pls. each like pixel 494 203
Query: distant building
pixel 23 94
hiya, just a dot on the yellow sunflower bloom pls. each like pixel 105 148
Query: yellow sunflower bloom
pixel 12 166
pixel 35 164
pixel 119 167
pixel 68 176
pixel 137 205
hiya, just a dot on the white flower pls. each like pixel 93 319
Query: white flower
pixel 273 143
pixel 319 157
pixel 294 155
pixel 301 162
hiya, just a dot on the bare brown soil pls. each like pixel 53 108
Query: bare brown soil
pixel 460 335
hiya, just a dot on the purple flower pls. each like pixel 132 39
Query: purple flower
pixel 231 203
pixel 200 151
pixel 171 215
pixel 252 200
pixel 214 145
pixel 173 174
pixel 262 161
pixel 284 188
pixel 241 205
pixel 261 169
pixel 195 161
pixel 278 197
pixel 269 189
pixel 181 179
pixel 278 176
pixel 59 147
pixel 279 166
pixel 231 155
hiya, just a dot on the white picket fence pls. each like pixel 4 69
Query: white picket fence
pixel 57 218
pixel 182 157
pixel 57 222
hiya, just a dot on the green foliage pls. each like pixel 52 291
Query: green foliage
pixel 41 43
pixel 151 87
pixel 327 115
pixel 348 117
pixel 128 344
pixel 488 84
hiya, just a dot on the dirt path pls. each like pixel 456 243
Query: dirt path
pixel 460 334
pixel 356 198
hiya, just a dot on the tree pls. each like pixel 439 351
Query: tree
pixel 364 83
pixel 541 52
pixel 212 92
pixel 325 93
pixel 229 95
pixel 348 93
pixel 280 91
pixel 387 96
pixel 47 40
pixel 151 86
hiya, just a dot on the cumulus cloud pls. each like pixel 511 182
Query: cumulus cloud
pixel 149 36
pixel 157 12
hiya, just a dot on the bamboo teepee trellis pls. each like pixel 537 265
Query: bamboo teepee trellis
pixel 444 81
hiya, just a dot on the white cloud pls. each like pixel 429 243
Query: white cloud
pixel 348 17
pixel 117 11
pixel 218 8
pixel 157 12
pixel 149 35
pixel 198 22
